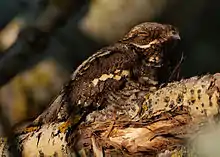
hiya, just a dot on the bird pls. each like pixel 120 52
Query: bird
pixel 146 55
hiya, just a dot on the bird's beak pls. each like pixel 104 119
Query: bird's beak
pixel 175 36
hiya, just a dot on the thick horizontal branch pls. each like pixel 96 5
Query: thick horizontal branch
pixel 168 118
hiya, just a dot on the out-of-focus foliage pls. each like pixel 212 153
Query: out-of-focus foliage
pixel 26 95
pixel 109 20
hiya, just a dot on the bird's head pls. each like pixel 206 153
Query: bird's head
pixel 157 44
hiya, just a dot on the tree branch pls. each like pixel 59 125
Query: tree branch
pixel 168 118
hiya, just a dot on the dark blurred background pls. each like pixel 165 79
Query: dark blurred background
pixel 95 23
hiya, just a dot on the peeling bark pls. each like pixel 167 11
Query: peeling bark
pixel 167 123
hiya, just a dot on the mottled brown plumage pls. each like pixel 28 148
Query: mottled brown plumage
pixel 143 56
pixel 157 44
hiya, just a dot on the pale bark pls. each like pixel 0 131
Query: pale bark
pixel 168 122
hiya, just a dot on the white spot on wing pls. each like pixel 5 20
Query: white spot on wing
pixel 125 73
pixel 95 81
pixel 117 71
pixel 105 77
pixel 117 77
